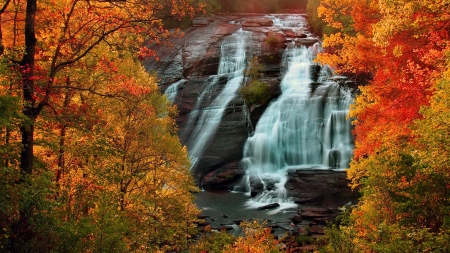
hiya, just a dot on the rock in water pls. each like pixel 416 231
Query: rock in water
pixel 269 206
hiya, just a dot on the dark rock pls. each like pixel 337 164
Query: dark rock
pixel 269 206
pixel 279 36
pixel 297 219
pixel 322 220
pixel 302 35
pixel 204 229
pixel 309 214
pixel 315 209
pixel 292 184
pixel 307 197
pixel 317 230
pixel 225 228
pixel 307 248
pixel 303 200
pixel 315 237
pixel 221 176
pixel 203 224
pixel 306 172
pixel 201 216
pixel 304 231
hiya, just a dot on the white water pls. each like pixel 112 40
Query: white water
pixel 301 129
pixel 172 91
pixel 232 64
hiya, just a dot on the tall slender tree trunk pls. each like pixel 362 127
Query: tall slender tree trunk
pixel 62 135
pixel 29 110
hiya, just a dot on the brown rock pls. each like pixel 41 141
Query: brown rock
pixel 307 248
pixel 309 214
pixel 317 230
pixel 315 209
pixel 224 228
pixel 290 33
pixel 281 38
pixel 316 236
pixel 297 219
pixel 225 29
pixel 304 231
pixel 262 21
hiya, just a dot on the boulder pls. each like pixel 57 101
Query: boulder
pixel 297 219
pixel 269 206
pixel 317 229
pixel 259 21
pixel 279 36
pixel 304 231
pixel 309 214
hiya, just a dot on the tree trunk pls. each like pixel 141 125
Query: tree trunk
pixel 26 156
pixel 61 160
pixel 29 110
pixel 62 136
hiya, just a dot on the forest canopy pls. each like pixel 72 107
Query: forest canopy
pixel 400 161
pixel 89 160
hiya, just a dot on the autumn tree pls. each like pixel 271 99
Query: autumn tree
pixel 81 186
pixel 59 34
pixel 149 167
pixel 256 238
pixel 402 69
pixel 404 45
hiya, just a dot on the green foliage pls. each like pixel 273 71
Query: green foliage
pixel 27 218
pixel 272 40
pixel 314 21
pixel 253 69
pixel 339 240
pixel 319 26
pixel 304 240
pixel 255 91
pixel 211 6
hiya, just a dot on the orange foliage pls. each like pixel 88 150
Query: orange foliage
pixel 405 61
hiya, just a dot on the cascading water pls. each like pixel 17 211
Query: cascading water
pixel 232 64
pixel 303 128
pixel 172 91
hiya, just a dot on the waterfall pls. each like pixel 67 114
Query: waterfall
pixel 172 91
pixel 303 128
pixel 232 64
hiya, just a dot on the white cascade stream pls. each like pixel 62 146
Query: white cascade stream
pixel 232 64
pixel 172 91
pixel 303 128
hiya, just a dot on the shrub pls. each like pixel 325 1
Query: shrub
pixel 272 40
pixel 257 92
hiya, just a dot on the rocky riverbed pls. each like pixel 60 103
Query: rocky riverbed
pixel 316 198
